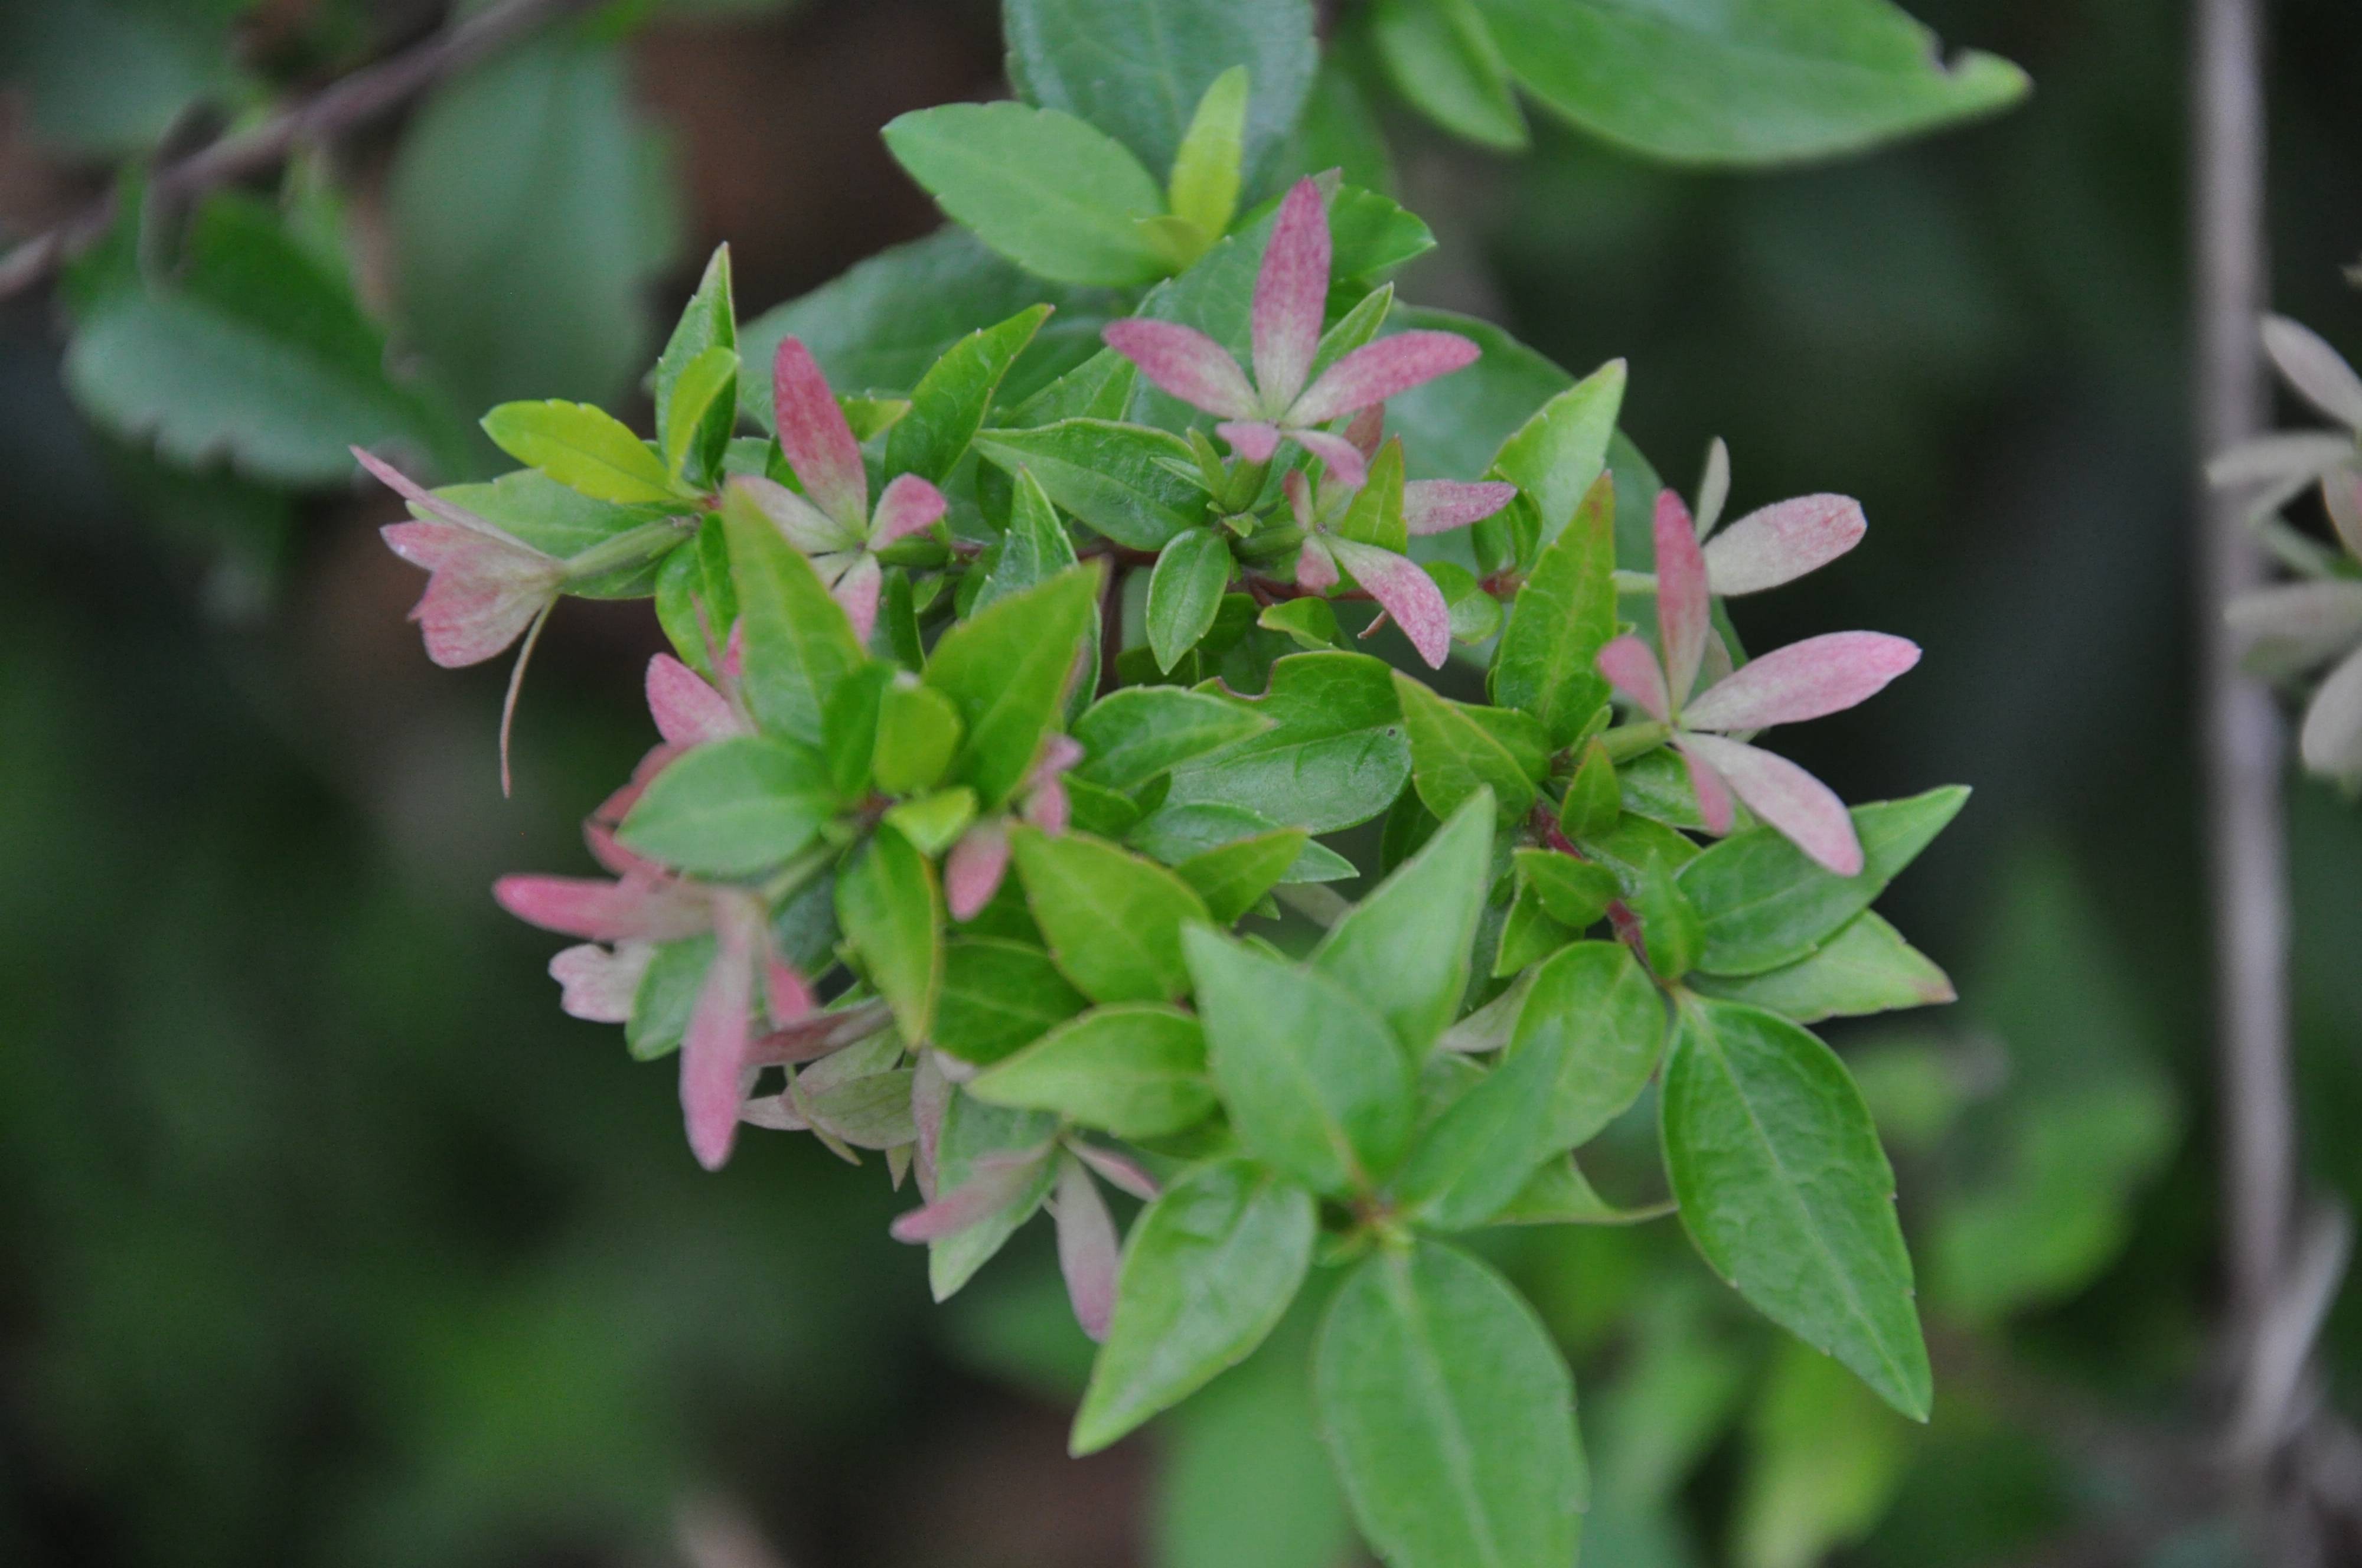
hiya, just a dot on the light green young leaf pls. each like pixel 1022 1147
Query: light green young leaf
pixel 1113 920
pixel 1185 591
pixel 1594 1007
pixel 891 908
pixel 1404 950
pixel 1443 59
pixel 1210 1268
pixel 1315 1081
pixel 1458 750
pixel 1564 614
pixel 798 643
pixel 1130 736
pixel 999 997
pixel 731 808
pixel 1136 1070
pixel 918 734
pixel 1059 198
pixel 708 322
pixel 1112 477
pixel 1785 1189
pixel 706 384
pixel 581 447
pixel 1007 669
pixel 696 599
pixel 949 404
pixel 1451 1415
pixel 1204 189
pixel 1334 752
pixel 1865 968
pixel 1560 453
pixel 1233 878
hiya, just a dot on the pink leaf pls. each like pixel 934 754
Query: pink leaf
pixel 1827 674
pixel 814 435
pixel 931 1098
pixel 1798 806
pixel 1056 753
pixel 1316 569
pixel 1781 542
pixel 1299 490
pixel 1186 363
pixel 1117 1171
pixel 598 984
pixel 857 591
pixel 1631 667
pixel 2331 741
pixel 1408 594
pixel 973 870
pixel 994 1184
pixel 1087 1247
pixel 482 590
pixel 799 522
pixel 714 1049
pixel 1376 372
pixel 1048 807
pixel 1682 609
pixel 1713 794
pixel 1437 506
pixel 909 504
pixel 1366 429
pixel 688 712
pixel 1291 292
pixel 606 911
pixel 2315 370
pixel 787 995
pixel 1346 466
pixel 1254 439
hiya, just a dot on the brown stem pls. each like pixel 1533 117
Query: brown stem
pixel 341 107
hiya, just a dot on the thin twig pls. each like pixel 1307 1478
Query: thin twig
pixel 340 107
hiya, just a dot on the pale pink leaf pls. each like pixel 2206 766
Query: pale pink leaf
pixel 2289 627
pixel 1186 363
pixel 973 870
pixel 1316 569
pixel 598 984
pixel 931 1098
pixel 1437 506
pixel 2341 493
pixel 1827 674
pixel 909 505
pixel 1290 293
pixel 1683 609
pixel 1366 429
pixel 814 435
pixel 1796 805
pixel 1254 439
pixel 857 591
pixel 714 1049
pixel 1118 1171
pixel 994 1183
pixel 1347 468
pixel 686 709
pixel 482 590
pixel 2287 457
pixel 1049 808
pixel 787 995
pixel 1299 490
pixel 1630 665
pixel 2315 370
pixel 1408 594
pixel 2331 741
pixel 1713 794
pixel 799 522
pixel 1781 542
pixel 630 911
pixel 1376 372
pixel 1087 1247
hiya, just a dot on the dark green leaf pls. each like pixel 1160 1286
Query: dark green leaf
pixel 999 997
pixel 1404 950
pixel 1130 736
pixel 1176 834
pixel 893 913
pixel 1573 892
pixel 1657 784
pixel 1113 920
pixel 1668 922
pixel 1628 848
pixel 1481 1150
pixel 731 808
pixel 1443 59
pixel 1559 1193
pixel 1137 1070
pixel 1334 755
pixel 1185 591
pixel 798 643
pixel 1109 475
pixel 948 405
pixel 696 600
pixel 1007 669
pixel 1595 999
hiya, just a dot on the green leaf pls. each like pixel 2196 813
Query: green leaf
pixel 1443 59
pixel 1657 784
pixel 1034 550
pixel 1487 1144
pixel 1176 833
pixel 948 405
pixel 972 1130
pixel 1375 515
pixel 731 808
pixel 1745 85
pixel 1404 950
pixel 1137 69
pixel 1098 388
pixel 1628 848
pixel 1866 967
pixel 1557 455
pixel 798 643
pixel 1529 935
pixel 1315 1081
pixel 704 386
pixel 934 822
pixel 710 321
pixel 1595 1007
pixel 1204 189
pixel 1669 922
pixel 918 734
pixel 999 997
pixel 1564 614
pixel 1233 878
pixel 1575 893
pixel 581 447
pixel 1334 752
pixel 1309 623
pixel 1113 920
pixel 1374 234
pixel 1136 1070
pixel 1340 131
pixel 1058 197
pixel 1112 477
pixel 562 523
pixel 1455 425
pixel 1594 800
pixel 1785 1189
pixel 1007 669
pixel 1209 1270
pixel 1765 903
pixel 696 599
pixel 1451 1415
pixel 1559 1193
pixel 1130 736
pixel 1185 591
pixel 892 912
pixel 1458 749
pixel 849 728
pixel 667 996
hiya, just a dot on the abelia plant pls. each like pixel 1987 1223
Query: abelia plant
pixel 989 825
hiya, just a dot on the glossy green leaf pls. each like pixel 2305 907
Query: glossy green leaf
pixel 997 998
pixel 918 734
pixel 1204 189
pixel 1774 83
pixel 710 321
pixel 1564 614
pixel 1458 749
pixel 949 404
pixel 697 601
pixel 1765 904
pixel 1443 59
pixel 1136 1070
pixel 581 447
pixel 1451 1415
pixel 1007 669
pixel 1334 755
pixel 731 808
pixel 1233 878
pixel 891 908
pixel 1174 833
pixel 1314 1080
pixel 1208 1271
pixel 1486 1145
pixel 1866 967
pixel 1575 893
pixel 798 643
pixel 1404 950
pixel 1130 736
pixel 1785 1189
pixel 1032 550
pixel 1185 591
pixel 1594 1007
pixel 1058 197
pixel 1112 477
pixel 707 379
pixel 1113 920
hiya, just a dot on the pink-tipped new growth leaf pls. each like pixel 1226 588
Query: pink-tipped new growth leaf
pixel 1713 793
pixel 1117 1171
pixel 1804 680
pixel 1087 1247
pixel 1801 808
pixel 1437 506
pixel 1781 542
pixel 2316 370
pixel 1683 609
pixel 1187 364
pixel 1376 372
pixel 597 984
pixel 483 591
pixel 1291 292
pixel 1631 667
pixel 1344 461
pixel 686 709
pixel 1254 439
pixel 814 435
pixel 714 1049
pixel 1406 591
pixel 634 910
pixel 909 505
pixel 801 524
pixel 992 1186
pixel 1316 569
pixel 973 870
pixel 857 589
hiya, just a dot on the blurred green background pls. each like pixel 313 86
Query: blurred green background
pixel 325 1238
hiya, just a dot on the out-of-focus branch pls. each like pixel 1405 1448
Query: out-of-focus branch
pixel 342 106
